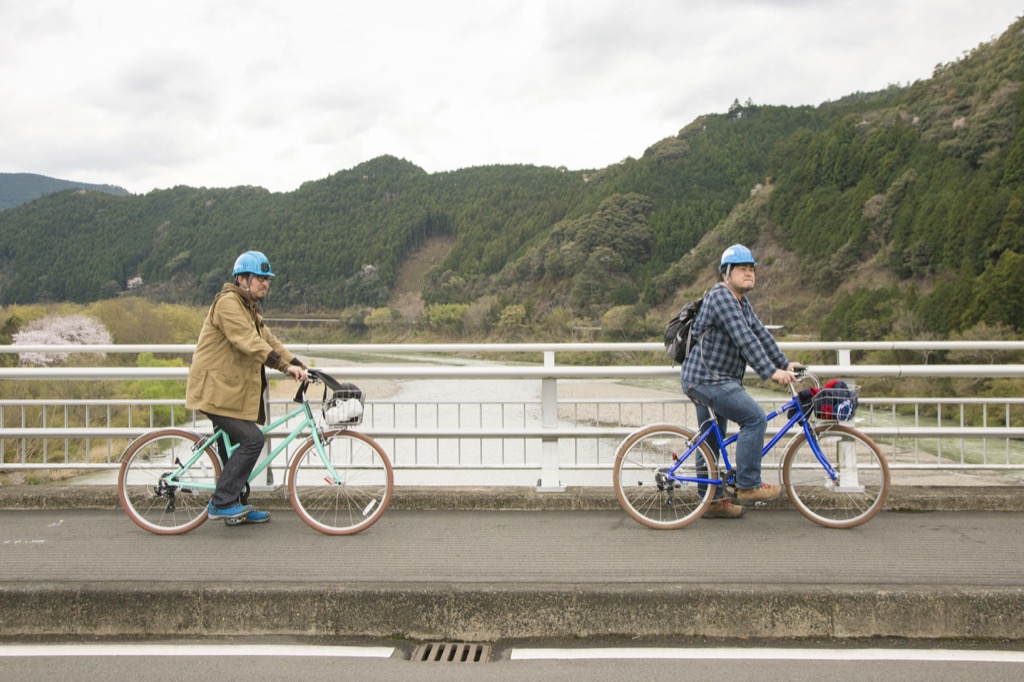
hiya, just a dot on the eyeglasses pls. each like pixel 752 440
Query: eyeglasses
pixel 262 278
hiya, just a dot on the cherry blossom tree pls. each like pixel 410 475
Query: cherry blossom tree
pixel 59 330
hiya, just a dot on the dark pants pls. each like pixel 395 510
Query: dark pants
pixel 236 468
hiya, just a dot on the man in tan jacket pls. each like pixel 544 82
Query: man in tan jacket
pixel 227 379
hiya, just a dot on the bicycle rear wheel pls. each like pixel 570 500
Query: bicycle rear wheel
pixel 855 496
pixel 642 487
pixel 146 495
pixel 346 494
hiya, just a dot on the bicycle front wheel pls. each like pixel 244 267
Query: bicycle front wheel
pixel 347 489
pixel 150 498
pixel 862 479
pixel 643 486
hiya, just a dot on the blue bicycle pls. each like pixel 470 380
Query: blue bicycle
pixel 665 476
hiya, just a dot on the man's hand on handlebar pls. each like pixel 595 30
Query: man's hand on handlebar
pixel 793 372
pixel 783 377
pixel 298 373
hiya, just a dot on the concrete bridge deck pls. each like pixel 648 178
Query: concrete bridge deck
pixel 485 565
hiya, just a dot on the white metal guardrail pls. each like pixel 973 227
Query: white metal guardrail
pixel 556 432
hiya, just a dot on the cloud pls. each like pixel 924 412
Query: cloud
pixel 157 94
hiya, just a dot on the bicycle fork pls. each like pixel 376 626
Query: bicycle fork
pixel 321 441
pixel 831 475
pixel 334 477
pixel 847 478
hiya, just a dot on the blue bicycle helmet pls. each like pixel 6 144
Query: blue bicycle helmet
pixel 737 254
pixel 252 263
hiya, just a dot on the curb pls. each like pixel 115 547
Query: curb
pixel 901 498
pixel 488 613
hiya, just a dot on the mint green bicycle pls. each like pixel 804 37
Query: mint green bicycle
pixel 339 481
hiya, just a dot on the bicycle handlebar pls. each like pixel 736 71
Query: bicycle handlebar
pixel 802 374
pixel 316 376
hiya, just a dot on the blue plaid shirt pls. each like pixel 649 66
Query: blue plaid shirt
pixel 735 338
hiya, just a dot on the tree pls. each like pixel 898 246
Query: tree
pixel 445 317
pixel 379 319
pixel 7 331
pixel 991 302
pixel 622 322
pixel 59 330
pixel 512 319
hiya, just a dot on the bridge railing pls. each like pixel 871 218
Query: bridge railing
pixel 448 418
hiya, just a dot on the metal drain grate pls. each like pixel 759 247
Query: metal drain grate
pixel 452 652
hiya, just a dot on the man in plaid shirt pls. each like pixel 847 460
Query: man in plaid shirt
pixel 731 337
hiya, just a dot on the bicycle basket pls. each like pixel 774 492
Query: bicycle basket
pixel 344 407
pixel 836 401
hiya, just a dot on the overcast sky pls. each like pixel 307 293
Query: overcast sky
pixel 151 94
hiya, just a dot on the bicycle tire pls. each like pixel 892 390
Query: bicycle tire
pixel 864 479
pixel 656 503
pixel 148 501
pixel 351 504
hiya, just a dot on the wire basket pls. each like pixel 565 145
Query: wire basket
pixel 344 407
pixel 836 403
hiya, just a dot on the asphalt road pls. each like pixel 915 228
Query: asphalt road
pixel 269 660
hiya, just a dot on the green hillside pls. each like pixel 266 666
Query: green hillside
pixel 21 188
pixel 883 213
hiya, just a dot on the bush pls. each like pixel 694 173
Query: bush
pixel 445 317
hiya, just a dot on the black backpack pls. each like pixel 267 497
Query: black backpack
pixel 678 333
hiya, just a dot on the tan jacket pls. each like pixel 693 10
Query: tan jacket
pixel 227 377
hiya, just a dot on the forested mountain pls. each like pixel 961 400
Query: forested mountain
pixel 887 213
pixel 21 188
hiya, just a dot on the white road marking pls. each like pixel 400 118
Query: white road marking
pixel 756 654
pixel 136 649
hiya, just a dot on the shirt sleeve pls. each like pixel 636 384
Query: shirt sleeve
pixel 737 320
pixel 279 358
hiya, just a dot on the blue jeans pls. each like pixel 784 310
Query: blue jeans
pixel 731 402
pixel 240 464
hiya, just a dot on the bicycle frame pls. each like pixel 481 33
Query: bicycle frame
pixel 798 417
pixel 299 431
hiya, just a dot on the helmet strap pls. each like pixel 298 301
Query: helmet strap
pixel 727 283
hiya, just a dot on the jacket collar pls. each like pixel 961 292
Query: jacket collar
pixel 247 299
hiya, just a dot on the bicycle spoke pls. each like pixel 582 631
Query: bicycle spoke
pixel 860 486
pixel 351 493
pixel 151 497
pixel 647 487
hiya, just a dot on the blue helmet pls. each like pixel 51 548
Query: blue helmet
pixel 252 263
pixel 737 254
